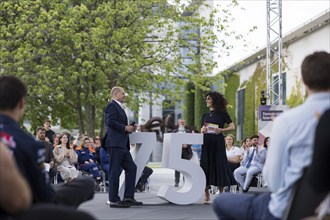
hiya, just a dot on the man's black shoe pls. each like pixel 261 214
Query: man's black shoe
pixel 119 204
pixel 131 201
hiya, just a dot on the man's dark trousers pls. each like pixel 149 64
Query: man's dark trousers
pixel 120 159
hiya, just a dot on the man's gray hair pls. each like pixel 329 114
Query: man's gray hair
pixel 115 90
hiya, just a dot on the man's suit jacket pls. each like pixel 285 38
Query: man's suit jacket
pixel 186 152
pixel 49 151
pixel 115 122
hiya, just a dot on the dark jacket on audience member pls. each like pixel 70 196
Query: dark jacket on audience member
pixel 30 156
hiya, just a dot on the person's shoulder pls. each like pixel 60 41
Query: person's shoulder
pixel 25 141
pixel 226 114
pixel 205 113
pixel 109 106
pixel 113 104
pixel 222 114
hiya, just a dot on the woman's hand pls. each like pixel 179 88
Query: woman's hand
pixel 218 130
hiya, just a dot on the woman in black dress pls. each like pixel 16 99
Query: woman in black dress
pixel 213 159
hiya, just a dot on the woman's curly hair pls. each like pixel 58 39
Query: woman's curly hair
pixel 219 101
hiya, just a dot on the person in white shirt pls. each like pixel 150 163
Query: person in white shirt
pixel 233 155
pixel 290 150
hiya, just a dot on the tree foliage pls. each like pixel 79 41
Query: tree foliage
pixel 189 104
pixel 296 98
pixel 70 53
pixel 232 84
pixel 252 100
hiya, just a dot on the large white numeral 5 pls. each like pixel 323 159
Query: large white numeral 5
pixel 195 181
pixel 140 154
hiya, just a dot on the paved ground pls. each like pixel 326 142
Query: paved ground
pixel 154 207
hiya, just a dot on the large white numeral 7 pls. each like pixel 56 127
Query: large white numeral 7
pixel 141 154
pixel 195 181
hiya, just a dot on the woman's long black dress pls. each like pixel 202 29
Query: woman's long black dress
pixel 213 158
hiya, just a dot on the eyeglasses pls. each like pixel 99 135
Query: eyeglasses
pixel 97 138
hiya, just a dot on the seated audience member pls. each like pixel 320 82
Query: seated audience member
pixel 30 155
pixel 253 161
pixel 76 141
pixel 97 147
pixel 266 142
pixel 92 147
pixel 79 141
pixel 290 150
pixel 56 139
pixel 49 159
pixel 66 158
pixel 246 144
pixel 87 161
pixel 319 173
pixel 104 157
pixel 16 195
pixel 233 155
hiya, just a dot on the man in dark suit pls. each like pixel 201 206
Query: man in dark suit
pixel 117 144
pixel 186 148
pixel 49 156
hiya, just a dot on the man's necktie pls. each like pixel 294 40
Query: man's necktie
pixel 248 164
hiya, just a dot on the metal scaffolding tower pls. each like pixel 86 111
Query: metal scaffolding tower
pixel 274 52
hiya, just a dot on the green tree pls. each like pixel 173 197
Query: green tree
pixel 189 100
pixel 296 98
pixel 70 53
pixel 232 84
pixel 252 101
